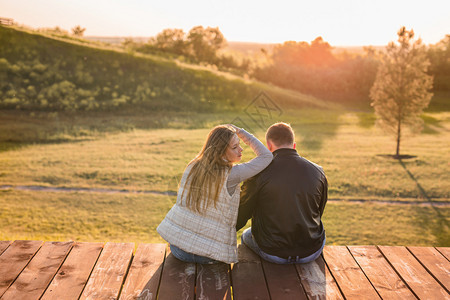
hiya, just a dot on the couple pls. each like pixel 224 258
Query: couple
pixel 283 193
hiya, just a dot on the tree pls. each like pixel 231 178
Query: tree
pixel 302 54
pixel 78 31
pixel 439 55
pixel 172 40
pixel 205 43
pixel 401 88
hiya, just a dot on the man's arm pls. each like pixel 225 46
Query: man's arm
pixel 249 191
pixel 324 196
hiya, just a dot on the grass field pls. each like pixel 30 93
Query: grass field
pixel 149 152
pixel 134 218
pixel 135 156
pixel 89 117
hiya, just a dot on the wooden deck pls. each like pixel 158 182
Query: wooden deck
pixel 71 270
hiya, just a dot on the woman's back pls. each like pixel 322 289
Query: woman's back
pixel 202 222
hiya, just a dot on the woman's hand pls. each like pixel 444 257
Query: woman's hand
pixel 235 128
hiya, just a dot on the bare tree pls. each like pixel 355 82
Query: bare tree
pixel 401 88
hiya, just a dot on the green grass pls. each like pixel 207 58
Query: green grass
pixel 134 218
pixel 128 153
pixel 81 216
pixel 124 151
pixel 39 72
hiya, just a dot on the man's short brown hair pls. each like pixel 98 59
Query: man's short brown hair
pixel 280 134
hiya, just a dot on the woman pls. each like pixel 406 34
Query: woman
pixel 200 227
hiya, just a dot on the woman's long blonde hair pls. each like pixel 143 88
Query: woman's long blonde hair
pixel 207 175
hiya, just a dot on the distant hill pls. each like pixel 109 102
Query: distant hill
pixel 251 48
pixel 42 73
pixel 355 49
pixel 248 48
pixel 116 40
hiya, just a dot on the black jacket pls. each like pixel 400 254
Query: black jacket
pixel 286 202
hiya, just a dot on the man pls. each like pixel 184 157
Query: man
pixel 286 202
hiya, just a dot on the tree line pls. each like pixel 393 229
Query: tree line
pixel 313 68
pixel 309 67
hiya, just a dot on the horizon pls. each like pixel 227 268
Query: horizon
pixel 228 41
pixel 346 24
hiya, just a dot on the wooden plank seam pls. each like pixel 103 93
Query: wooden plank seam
pixel 92 270
pixel 332 275
pixel 230 266
pixel 195 281
pixel 12 282
pixel 301 284
pixel 6 248
pixel 398 273
pixel 126 273
pixel 300 278
pixel 265 277
pixel 160 276
pixel 437 249
pixel 363 272
pixel 426 268
pixel 56 273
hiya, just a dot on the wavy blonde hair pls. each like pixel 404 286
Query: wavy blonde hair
pixel 207 175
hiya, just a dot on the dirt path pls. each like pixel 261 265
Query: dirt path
pixel 37 188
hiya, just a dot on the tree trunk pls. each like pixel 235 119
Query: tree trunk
pixel 397 153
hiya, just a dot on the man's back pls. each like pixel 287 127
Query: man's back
pixel 286 202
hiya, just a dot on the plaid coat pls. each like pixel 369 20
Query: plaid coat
pixel 211 233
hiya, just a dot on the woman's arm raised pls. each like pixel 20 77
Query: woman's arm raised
pixel 249 169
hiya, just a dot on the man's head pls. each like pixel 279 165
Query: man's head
pixel 280 135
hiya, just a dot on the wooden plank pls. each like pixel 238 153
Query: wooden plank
pixel 413 273
pixel 283 281
pixel 177 279
pixel 317 280
pixel 350 278
pixel 74 273
pixel 444 251
pixel 435 263
pixel 35 278
pixel 385 280
pixel 14 260
pixel 143 277
pixel 109 272
pixel 248 276
pixel 4 245
pixel 213 282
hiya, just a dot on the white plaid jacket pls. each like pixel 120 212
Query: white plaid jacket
pixel 211 233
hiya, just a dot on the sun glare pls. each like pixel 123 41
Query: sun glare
pixel 345 22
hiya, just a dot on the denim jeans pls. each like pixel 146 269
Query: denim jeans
pixel 248 239
pixel 191 258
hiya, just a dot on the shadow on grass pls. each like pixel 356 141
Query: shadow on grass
pixel 431 124
pixel 315 127
pixel 419 186
pixel 439 228
pixel 19 129
pixel 11 145
pixel 366 120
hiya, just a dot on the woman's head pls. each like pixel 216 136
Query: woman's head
pixel 221 146
pixel 207 175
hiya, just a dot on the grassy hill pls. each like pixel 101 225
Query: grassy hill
pixel 47 74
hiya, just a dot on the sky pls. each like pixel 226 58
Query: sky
pixel 338 22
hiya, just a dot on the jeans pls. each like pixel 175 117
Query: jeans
pixel 249 241
pixel 191 258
